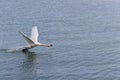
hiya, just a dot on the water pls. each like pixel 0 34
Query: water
pixel 85 35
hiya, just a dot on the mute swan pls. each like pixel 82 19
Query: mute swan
pixel 33 40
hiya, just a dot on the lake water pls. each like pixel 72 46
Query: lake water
pixel 85 35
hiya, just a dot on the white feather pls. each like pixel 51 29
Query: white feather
pixel 29 41
pixel 34 34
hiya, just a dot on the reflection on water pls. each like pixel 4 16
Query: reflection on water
pixel 29 64
pixel 30 56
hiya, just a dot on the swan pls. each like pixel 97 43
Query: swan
pixel 33 40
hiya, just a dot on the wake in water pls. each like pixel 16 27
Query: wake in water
pixel 13 50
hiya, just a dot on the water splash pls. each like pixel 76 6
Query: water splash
pixel 11 50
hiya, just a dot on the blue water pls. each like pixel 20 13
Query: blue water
pixel 85 35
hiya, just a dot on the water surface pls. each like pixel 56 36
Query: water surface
pixel 85 35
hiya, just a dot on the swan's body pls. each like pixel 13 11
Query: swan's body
pixel 33 40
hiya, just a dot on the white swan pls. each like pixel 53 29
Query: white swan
pixel 33 40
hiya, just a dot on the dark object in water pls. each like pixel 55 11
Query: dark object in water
pixel 51 45
pixel 24 50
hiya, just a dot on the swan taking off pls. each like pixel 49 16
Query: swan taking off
pixel 33 40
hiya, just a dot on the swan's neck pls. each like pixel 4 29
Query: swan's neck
pixel 46 45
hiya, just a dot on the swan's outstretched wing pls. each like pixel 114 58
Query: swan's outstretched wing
pixel 29 41
pixel 34 34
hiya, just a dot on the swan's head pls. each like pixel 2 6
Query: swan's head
pixel 50 45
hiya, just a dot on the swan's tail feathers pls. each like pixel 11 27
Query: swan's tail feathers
pixel 34 34
pixel 29 41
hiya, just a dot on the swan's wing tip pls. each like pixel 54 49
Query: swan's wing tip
pixel 34 26
pixel 20 32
